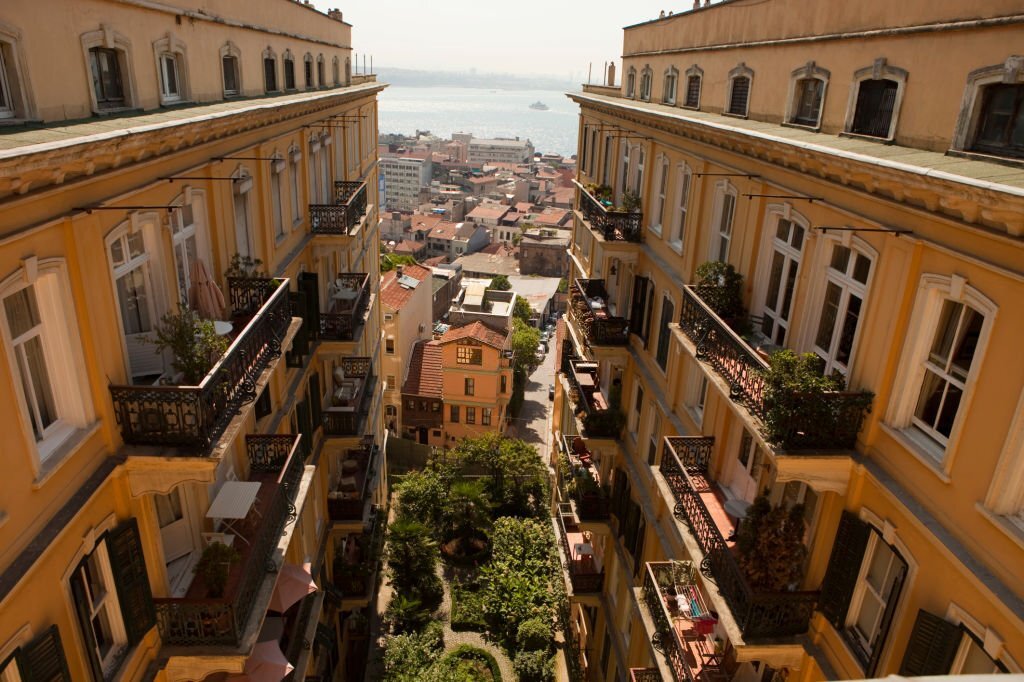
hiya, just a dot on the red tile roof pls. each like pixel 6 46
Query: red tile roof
pixel 393 294
pixel 475 330
pixel 436 260
pixel 425 222
pixel 425 376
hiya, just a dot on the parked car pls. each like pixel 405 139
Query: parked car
pixel 551 392
pixel 542 348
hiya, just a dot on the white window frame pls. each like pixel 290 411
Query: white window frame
pixel 657 212
pixel 770 244
pixel 646 81
pixel 242 199
pixel 740 71
pixel 991 642
pixel 7 107
pixel 294 170
pixel 181 232
pixel 90 547
pixel 1010 72
pixel 14 74
pixel 170 52
pixel 809 71
pixel 608 159
pixel 638 395
pixel 638 175
pixel 722 240
pixel 875 540
pixel 880 69
pixel 693 71
pixel 933 290
pixel 849 286
pixel 684 180
pixel 1006 494
pixel 669 95
pixel 230 51
pixel 110 39
pixel 62 351
pixel 276 199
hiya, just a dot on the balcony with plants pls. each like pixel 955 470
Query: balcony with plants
pixel 581 555
pixel 598 416
pixel 579 480
pixel 757 562
pixel 644 675
pixel 356 563
pixel 348 299
pixel 616 223
pixel 215 371
pixel 352 487
pixel 588 310
pixel 351 398
pixel 226 600
pixel 344 215
pixel 799 409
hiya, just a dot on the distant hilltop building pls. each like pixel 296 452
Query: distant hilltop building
pixel 483 150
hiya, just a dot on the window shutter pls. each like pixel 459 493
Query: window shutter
pixel 309 285
pixel 84 624
pixel 636 316
pixel 843 568
pixel 42 659
pixel 129 568
pixel 738 99
pixel 890 608
pixel 300 344
pixel 315 398
pixel 932 646
pixel 693 91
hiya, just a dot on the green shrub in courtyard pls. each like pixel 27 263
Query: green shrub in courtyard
pixel 534 666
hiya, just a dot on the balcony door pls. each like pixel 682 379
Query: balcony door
pixel 743 471
pixel 132 268
pixel 178 538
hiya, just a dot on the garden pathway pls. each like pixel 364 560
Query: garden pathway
pixel 454 639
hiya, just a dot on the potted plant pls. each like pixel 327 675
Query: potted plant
pixel 771 547
pixel 245 267
pixel 214 566
pixel 195 343
pixel 721 289
pixel 631 202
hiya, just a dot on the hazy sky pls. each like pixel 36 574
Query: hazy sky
pixel 553 37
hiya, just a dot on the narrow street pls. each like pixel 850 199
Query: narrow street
pixel 533 425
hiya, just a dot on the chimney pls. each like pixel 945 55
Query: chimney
pixel 335 14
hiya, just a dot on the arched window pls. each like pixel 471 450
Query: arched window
pixel 108 54
pixel 740 80
pixel 694 78
pixel 668 94
pixel 289 70
pixel 321 77
pixel 15 98
pixel 307 70
pixel 336 72
pixel 172 69
pixel 875 98
pixel 231 64
pixel 646 76
pixel 631 82
pixel 270 83
pixel 807 95
pixel 348 72
pixel 991 117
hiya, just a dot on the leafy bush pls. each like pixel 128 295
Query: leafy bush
pixel 407 613
pixel 473 656
pixel 500 283
pixel 721 288
pixel 516 477
pixel 412 557
pixel 421 497
pixel 407 656
pixel 535 634
pixel 771 545
pixel 534 666
pixel 467 609
pixel 195 343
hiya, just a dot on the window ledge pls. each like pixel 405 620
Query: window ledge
pixel 63 454
pixel 987 158
pixel 668 103
pixel 691 108
pixel 116 111
pixel 676 246
pixel 655 229
pixel 731 115
pixel 803 126
pixel 919 450
pixel 20 121
pixel 1015 532
pixel 867 138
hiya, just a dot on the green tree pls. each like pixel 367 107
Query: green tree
pixel 468 510
pixel 522 310
pixel 517 478
pixel 525 342
pixel 407 656
pixel 421 497
pixel 389 261
pixel 563 286
pixel 500 283
pixel 412 556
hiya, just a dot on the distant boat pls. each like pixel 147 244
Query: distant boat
pixel 539 106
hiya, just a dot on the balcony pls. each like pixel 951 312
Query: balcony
pixel 194 417
pixel 277 463
pixel 613 224
pixel 341 217
pixel 644 675
pixel 583 558
pixel 580 480
pixel 700 504
pixel 683 623
pixel 598 418
pixel 356 563
pixel 349 493
pixel 349 297
pixel 827 421
pixel 351 397
pixel 588 306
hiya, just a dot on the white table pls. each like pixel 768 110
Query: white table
pixel 233 503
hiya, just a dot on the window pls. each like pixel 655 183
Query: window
pixel 631 82
pixel 504 383
pixel 624 184
pixel 336 72
pixel 410 404
pixel 861 588
pixel 1001 120
pixel 940 647
pixel 638 189
pixel 807 109
pixel 469 355
pixel 107 84
pixel 185 240
pixel 876 94
pixel 471 415
pixel 229 67
pixel 276 210
pixel 470 388
pixel 638 408
pixel 6 101
pixel 694 76
pixel 321 78
pixel 44 354
pixel 786 245
pixel 726 208
pixel 454 418
pixel 702 394
pixel 671 81
pixel 390 384
pixel 313 170
pixel 740 80
pixel 607 174
pixel 389 346
pixel 664 333
pixel 658 210
pixel 243 240
pixel 170 78
pixel 293 174
pixel 307 70
pixel 102 622
pixel 486 417
pixel 289 71
pixel 652 444
pixel 675 238
pixel 435 406
pixel 845 288
pixel 645 84
pixel 270 72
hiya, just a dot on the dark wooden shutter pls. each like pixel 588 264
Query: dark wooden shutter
pixel 300 343
pixel 305 426
pixel 638 549
pixel 84 624
pixel 693 91
pixel 843 568
pixel 932 646
pixel 129 567
pixel 43 660
pixel 309 285
pixel 890 608
pixel 315 402
pixel 738 96
pixel 636 316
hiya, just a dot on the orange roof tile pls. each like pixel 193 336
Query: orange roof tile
pixel 425 376
pixel 393 294
pixel 475 330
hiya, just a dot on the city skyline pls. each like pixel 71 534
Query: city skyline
pixel 585 35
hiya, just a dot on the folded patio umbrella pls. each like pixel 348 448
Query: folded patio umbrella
pixel 266 663
pixel 293 583
pixel 204 296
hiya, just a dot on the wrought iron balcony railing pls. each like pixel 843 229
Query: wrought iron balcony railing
pixel 588 306
pixel 348 308
pixel 221 621
pixel 644 675
pixel 665 638
pixel 599 419
pixel 356 577
pixel 590 500
pixel 194 417
pixel 583 573
pixel 612 224
pixel 348 419
pixel 758 614
pixel 825 421
pixel 344 214
pixel 349 506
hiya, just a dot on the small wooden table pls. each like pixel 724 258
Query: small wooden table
pixel 233 503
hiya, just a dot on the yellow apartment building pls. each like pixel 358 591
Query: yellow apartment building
pixel 727 512
pixel 159 162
